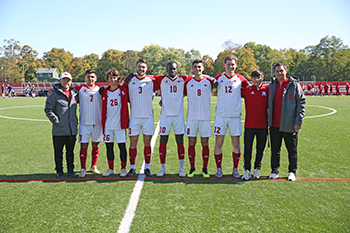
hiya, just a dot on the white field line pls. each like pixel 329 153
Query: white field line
pixel 327 114
pixel 22 119
pixel 125 224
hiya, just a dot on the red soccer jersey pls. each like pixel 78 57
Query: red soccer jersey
pixel 255 107
pixel 277 102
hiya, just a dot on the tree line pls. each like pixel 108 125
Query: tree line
pixel 329 60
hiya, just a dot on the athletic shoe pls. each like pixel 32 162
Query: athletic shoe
pixel 273 176
pixel 205 173
pixel 247 175
pixel 60 176
pixel 71 174
pixel 108 172
pixel 235 173
pixel 191 173
pixel 162 172
pixel 291 176
pixel 123 172
pixel 94 170
pixel 182 172
pixel 82 173
pixel 218 173
pixel 148 172
pixel 256 173
pixel 131 172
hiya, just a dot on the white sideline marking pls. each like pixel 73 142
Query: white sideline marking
pixel 22 119
pixel 125 224
pixel 327 114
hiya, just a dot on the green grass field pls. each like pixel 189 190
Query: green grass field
pixel 188 205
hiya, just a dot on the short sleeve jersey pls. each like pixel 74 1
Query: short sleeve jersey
pixel 229 95
pixel 90 105
pixel 198 98
pixel 141 95
pixel 172 94
pixel 113 110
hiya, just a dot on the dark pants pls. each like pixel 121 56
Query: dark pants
pixel 291 142
pixel 261 136
pixel 58 143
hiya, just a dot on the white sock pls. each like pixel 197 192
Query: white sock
pixel 147 166
pixel 163 166
pixel 132 167
pixel 181 163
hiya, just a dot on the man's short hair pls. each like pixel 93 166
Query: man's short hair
pixel 231 57
pixel 171 62
pixel 90 72
pixel 257 73
pixel 111 73
pixel 279 64
pixel 141 60
pixel 197 61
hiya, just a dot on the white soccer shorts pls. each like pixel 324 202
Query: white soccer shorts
pixel 90 131
pixel 138 124
pixel 203 127
pixel 178 123
pixel 119 135
pixel 232 123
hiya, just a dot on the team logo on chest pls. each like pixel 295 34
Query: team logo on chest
pixel 263 93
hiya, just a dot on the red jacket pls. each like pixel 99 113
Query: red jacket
pixel 124 112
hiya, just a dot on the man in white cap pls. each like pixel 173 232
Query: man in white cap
pixel 61 109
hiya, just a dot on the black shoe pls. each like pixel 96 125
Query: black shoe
pixel 60 176
pixel 71 174
pixel 131 172
pixel 148 172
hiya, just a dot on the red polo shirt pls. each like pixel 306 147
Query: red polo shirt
pixel 255 107
pixel 277 102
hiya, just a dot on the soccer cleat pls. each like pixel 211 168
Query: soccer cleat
pixel 94 170
pixel 148 172
pixel 60 176
pixel 191 173
pixel 108 172
pixel 182 172
pixel 256 173
pixel 131 172
pixel 71 174
pixel 235 173
pixel 205 173
pixel 162 172
pixel 247 175
pixel 218 173
pixel 291 176
pixel 82 173
pixel 273 176
pixel 123 172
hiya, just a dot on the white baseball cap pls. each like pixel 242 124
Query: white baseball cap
pixel 66 75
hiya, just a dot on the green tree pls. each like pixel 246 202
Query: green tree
pixel 9 67
pixel 111 59
pixel 154 56
pixel 28 62
pixel 58 58
pixel 130 57
pixel 208 65
pixel 262 55
pixel 77 69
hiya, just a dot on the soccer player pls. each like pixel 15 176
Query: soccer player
pixel 320 88
pixel 255 124
pixel 331 89
pixel 326 89
pixel 228 113
pixel 10 90
pixel 337 88
pixel 141 87
pixel 61 109
pixel 115 120
pixel 2 91
pixel 347 87
pixel 286 112
pixel 198 91
pixel 90 105
pixel 172 114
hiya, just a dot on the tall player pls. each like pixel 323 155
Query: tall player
pixel 141 87
pixel 198 91
pixel 228 113
pixel 90 104
pixel 172 114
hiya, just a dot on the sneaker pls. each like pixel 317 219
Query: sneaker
pixel 205 173
pixel 71 174
pixel 256 173
pixel 131 172
pixel 94 170
pixel 182 172
pixel 148 172
pixel 60 176
pixel 123 172
pixel 162 172
pixel 218 173
pixel 235 173
pixel 273 176
pixel 247 175
pixel 191 173
pixel 291 176
pixel 82 173
pixel 108 172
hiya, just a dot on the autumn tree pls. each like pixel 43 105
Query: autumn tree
pixel 58 58
pixel 208 63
